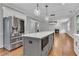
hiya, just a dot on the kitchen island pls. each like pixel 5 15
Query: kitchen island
pixel 37 44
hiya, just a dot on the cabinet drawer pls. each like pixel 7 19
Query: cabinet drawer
pixel 14 40
pixel 16 45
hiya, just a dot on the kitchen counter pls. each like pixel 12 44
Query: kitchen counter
pixel 38 34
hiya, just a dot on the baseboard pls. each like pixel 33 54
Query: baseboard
pixel 1 46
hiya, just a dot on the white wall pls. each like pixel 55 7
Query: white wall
pixel 61 25
pixel 73 24
pixel 64 28
pixel 31 22
pixel 29 25
pixel 10 12
pixel 1 26
pixel 44 26
pixel 52 27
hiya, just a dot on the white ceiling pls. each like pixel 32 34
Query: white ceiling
pixel 61 11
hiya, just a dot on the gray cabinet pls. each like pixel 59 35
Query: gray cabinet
pixel 32 47
pixel 12 33
pixel 37 46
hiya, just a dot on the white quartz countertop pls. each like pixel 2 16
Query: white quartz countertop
pixel 38 34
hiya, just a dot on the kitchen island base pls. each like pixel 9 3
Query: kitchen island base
pixel 37 46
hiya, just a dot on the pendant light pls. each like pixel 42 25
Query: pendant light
pixel 46 17
pixel 37 10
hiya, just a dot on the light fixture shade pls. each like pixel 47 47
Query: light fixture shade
pixel 46 18
pixel 37 12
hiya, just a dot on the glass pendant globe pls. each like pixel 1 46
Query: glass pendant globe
pixel 37 12
pixel 46 18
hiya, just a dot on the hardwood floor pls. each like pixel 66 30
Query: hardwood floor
pixel 63 46
pixel 15 52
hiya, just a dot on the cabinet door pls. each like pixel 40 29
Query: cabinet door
pixel 32 47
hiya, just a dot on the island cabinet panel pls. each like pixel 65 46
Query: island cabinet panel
pixel 34 46
pixel 50 42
